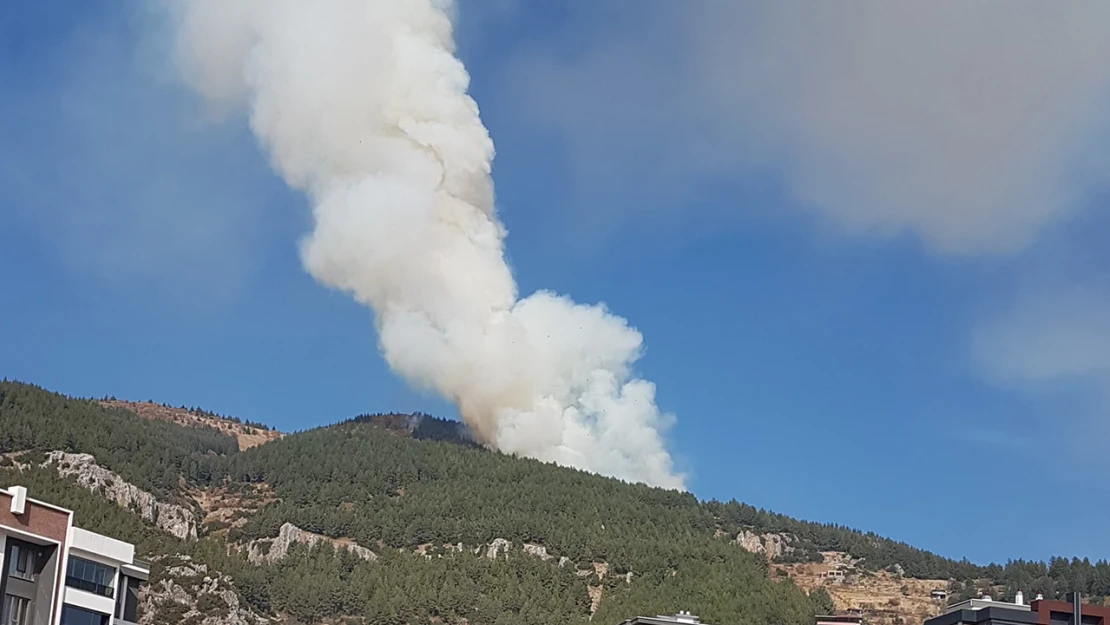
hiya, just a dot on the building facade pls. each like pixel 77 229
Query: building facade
pixel 1040 612
pixel 997 614
pixel 1062 613
pixel 52 572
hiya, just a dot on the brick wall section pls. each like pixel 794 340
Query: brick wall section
pixel 1044 610
pixel 35 519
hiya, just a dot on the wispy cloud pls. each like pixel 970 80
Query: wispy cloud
pixel 1006 440
pixel 970 125
pixel 1051 346
pixel 1057 335
pixel 1052 342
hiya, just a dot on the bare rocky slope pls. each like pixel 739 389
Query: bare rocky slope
pixel 247 435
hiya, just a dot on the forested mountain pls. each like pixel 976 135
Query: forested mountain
pixel 399 529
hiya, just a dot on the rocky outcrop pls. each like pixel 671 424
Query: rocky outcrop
pixel 538 550
pixel 594 593
pixel 601 569
pixel 172 519
pixel 184 591
pixel 751 541
pixel 498 546
pixel 270 550
pixel 501 546
pixel 770 545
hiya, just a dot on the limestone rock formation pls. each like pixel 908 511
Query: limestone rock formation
pixel 537 550
pixel 268 551
pixel 770 545
pixel 495 548
pixel 172 519
pixel 186 591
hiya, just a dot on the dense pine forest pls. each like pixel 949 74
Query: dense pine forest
pixel 411 498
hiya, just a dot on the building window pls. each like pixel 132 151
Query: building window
pixel 22 563
pixel 17 611
pixel 77 616
pixel 90 576
pixel 127 599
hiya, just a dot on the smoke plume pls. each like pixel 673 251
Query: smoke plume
pixel 363 106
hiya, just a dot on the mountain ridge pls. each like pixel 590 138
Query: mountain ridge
pixel 431 509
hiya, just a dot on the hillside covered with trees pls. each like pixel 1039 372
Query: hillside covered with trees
pixel 429 505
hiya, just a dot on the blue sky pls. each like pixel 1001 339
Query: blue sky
pixel 869 269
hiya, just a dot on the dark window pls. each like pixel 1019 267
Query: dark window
pixel 17 611
pixel 127 599
pixel 78 616
pixel 1065 618
pixel 22 564
pixel 90 576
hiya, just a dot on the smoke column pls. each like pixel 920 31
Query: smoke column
pixel 363 106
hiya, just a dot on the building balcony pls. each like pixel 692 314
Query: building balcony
pixel 87 586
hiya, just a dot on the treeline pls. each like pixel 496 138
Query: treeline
pixel 357 480
pixel 421 427
pixel 201 412
pixel 1053 579
pixel 312 584
pixel 150 454
pixel 878 552
pixel 402 587
pixel 372 487
pixel 369 486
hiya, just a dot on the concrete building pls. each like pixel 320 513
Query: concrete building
pixel 52 573
pixel 997 614
pixel 985 611
pixel 987 602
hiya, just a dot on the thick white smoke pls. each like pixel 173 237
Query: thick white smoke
pixel 363 106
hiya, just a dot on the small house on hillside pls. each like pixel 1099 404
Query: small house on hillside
pixel 939 595
pixel 836 575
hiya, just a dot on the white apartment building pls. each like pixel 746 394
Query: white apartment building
pixel 52 573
